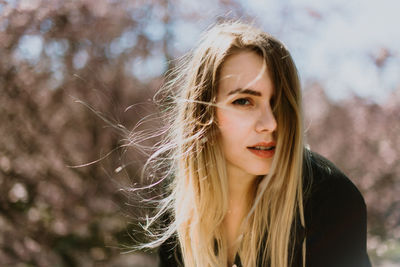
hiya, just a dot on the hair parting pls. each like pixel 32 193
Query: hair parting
pixel 194 175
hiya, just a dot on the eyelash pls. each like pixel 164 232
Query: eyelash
pixel 249 102
pixel 236 102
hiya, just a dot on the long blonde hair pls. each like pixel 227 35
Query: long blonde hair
pixel 197 198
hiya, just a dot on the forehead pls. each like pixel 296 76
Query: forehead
pixel 244 69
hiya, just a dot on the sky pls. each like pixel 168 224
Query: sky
pixel 338 42
pixel 333 42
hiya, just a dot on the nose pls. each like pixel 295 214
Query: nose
pixel 266 121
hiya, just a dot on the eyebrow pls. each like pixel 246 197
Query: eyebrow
pixel 244 91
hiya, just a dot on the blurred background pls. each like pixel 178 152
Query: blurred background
pixel 76 76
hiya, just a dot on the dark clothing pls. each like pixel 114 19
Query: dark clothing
pixel 335 217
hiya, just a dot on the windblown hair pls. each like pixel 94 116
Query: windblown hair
pixel 197 197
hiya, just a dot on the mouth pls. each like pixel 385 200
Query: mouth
pixel 263 150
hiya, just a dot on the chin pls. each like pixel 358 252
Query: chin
pixel 259 171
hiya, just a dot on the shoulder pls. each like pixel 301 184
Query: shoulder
pixel 324 180
pixel 169 253
pixel 335 215
pixel 329 193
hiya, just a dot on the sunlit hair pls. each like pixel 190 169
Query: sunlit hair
pixel 197 197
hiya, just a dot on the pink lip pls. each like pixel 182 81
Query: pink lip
pixel 264 144
pixel 263 153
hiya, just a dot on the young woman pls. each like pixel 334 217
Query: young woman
pixel 242 188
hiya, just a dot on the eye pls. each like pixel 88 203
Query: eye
pixel 242 102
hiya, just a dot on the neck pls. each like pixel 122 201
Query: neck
pixel 241 190
pixel 241 193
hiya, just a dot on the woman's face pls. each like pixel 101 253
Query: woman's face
pixel 244 114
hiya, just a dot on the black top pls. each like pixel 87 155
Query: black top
pixel 335 217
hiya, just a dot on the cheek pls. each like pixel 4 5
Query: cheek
pixel 233 125
pixel 231 120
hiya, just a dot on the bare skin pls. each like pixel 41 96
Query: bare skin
pixel 245 119
pixel 241 194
